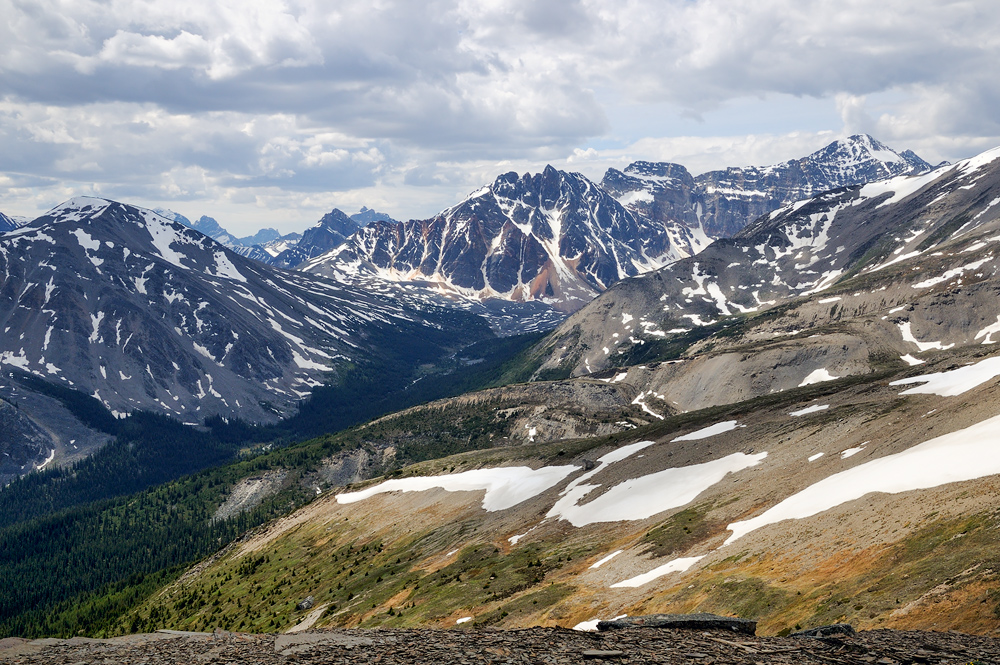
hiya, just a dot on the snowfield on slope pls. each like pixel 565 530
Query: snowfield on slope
pixel 953 382
pixel 633 499
pixel 973 452
pixel 711 430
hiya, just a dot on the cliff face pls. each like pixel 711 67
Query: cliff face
pixel 552 236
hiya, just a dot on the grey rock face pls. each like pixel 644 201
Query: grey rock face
pixel 720 203
pixel 553 236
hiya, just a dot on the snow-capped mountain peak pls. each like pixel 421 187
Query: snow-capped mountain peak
pixel 552 236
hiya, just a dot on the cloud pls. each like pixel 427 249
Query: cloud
pixel 304 102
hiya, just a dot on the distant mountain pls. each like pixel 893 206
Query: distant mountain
pixel 366 216
pixel 8 223
pixel 558 238
pixel 210 227
pixel 553 236
pixel 143 313
pixel 289 250
pixel 331 231
pixel 259 238
pixel 718 204
pixel 205 224
pixel 275 247
pixel 255 252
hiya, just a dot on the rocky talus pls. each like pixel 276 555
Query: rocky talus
pixel 532 645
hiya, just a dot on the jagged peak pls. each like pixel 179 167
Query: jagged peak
pixel 655 169
pixel 864 147
pixel 337 220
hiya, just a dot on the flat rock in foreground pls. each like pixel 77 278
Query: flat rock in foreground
pixel 698 621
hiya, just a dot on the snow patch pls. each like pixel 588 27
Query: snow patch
pixel 989 331
pixel 818 376
pixel 609 557
pixel 954 382
pixel 711 430
pixel 810 409
pixel 505 486
pixel 645 496
pixel 907 333
pixel 676 566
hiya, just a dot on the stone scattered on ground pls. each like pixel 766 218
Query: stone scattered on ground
pixel 532 645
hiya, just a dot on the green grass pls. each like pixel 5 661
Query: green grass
pixel 681 530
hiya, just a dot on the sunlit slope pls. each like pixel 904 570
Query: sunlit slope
pixel 843 500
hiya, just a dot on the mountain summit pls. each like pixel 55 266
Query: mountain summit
pixel 552 236
pixel 720 203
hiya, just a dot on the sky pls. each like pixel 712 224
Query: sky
pixel 269 113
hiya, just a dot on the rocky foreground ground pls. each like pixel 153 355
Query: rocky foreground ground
pixel 532 645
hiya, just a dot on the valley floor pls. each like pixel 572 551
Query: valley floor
pixel 530 645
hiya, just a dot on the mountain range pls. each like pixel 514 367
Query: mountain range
pixel 720 203
pixel 560 239
pixel 144 313
pixel 271 247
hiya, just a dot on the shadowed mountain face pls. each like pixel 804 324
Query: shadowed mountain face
pixel 330 232
pixel 7 223
pixel 141 312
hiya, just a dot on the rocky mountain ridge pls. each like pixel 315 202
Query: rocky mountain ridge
pixel 271 247
pixel 806 250
pixel 558 238
pixel 144 313
pixel 718 204
pixel 553 237
pixel 330 232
